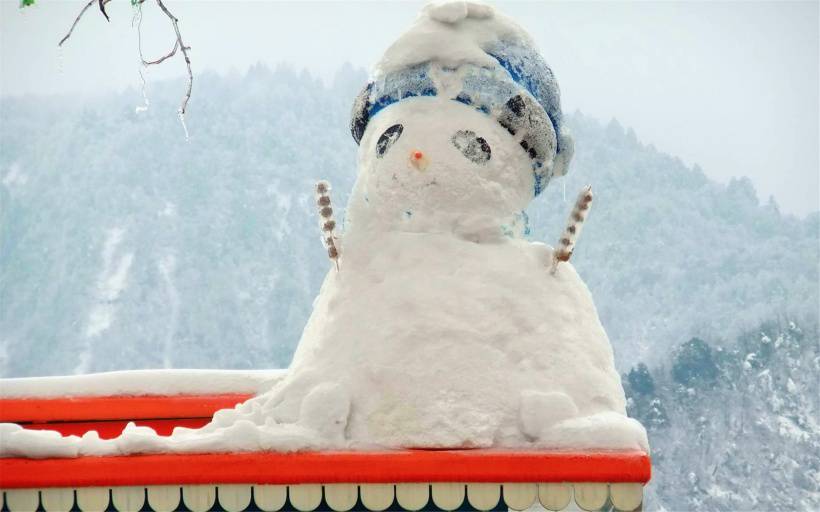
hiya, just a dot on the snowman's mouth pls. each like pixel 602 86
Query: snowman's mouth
pixel 401 183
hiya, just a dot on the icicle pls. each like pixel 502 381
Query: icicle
pixel 136 22
pixel 574 224
pixel 146 103
pixel 184 126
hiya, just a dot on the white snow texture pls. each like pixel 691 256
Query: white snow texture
pixel 443 327
pixel 143 382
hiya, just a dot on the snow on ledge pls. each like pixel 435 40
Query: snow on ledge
pixel 143 382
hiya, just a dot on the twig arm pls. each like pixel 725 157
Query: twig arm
pixel 566 245
pixel 326 221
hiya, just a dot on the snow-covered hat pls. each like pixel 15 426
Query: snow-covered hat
pixel 468 52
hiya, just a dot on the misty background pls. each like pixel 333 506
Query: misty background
pixel 123 246
pixel 731 86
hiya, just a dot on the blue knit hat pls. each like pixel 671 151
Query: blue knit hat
pixel 518 89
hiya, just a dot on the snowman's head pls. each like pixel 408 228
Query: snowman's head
pixel 431 154
pixel 462 115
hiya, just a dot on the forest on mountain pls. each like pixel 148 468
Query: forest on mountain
pixel 734 426
pixel 124 246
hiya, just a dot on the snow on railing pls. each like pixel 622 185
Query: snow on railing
pixel 361 480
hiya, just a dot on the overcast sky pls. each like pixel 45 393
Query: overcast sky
pixel 730 86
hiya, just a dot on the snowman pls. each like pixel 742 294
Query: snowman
pixel 441 326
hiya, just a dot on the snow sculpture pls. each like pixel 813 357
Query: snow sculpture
pixel 438 324
pixel 444 327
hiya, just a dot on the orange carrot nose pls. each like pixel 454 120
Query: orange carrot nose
pixel 418 160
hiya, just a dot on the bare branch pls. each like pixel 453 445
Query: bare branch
pixel 179 45
pixel 146 63
pixel 163 58
pixel 76 20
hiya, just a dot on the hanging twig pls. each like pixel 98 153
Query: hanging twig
pixel 145 102
pixel 327 222
pixel 161 59
pixel 574 224
pixel 181 46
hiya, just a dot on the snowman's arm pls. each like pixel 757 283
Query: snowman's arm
pixel 327 222
pixel 574 224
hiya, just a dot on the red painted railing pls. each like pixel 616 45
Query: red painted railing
pixel 109 415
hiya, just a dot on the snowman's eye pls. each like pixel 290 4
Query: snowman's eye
pixel 388 138
pixel 472 147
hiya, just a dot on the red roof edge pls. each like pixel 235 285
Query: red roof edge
pixel 107 408
pixel 327 467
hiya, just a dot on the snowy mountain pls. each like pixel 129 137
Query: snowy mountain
pixel 123 246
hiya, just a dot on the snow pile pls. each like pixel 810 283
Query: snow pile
pixel 452 343
pixel 451 33
pixel 443 328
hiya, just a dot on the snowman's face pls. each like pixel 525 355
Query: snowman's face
pixel 426 155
